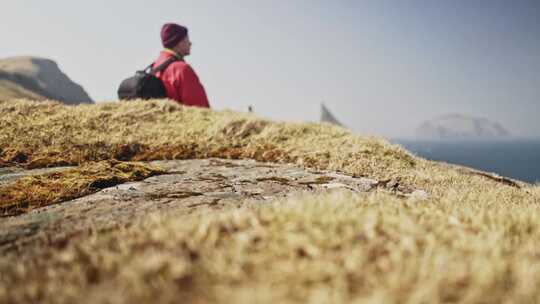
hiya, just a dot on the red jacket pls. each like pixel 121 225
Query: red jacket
pixel 181 82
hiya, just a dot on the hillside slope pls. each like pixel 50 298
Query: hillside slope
pixel 472 239
pixel 12 90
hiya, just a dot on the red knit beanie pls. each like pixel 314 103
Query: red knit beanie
pixel 172 33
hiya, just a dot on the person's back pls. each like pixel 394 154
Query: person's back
pixel 180 80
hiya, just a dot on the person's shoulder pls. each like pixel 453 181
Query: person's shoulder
pixel 186 67
pixel 181 66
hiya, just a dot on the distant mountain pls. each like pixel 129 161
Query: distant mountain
pixel 38 78
pixel 461 127
pixel 327 116
pixel 12 90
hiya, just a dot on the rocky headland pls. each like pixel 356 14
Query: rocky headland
pixel 38 79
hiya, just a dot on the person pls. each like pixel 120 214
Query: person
pixel 180 80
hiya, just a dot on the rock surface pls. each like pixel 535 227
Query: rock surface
pixel 327 116
pixel 188 185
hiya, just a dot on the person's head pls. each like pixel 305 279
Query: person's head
pixel 176 38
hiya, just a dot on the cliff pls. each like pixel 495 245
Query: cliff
pixel 38 79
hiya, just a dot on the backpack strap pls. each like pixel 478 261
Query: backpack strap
pixel 148 68
pixel 162 66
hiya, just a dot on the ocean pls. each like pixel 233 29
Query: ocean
pixel 518 159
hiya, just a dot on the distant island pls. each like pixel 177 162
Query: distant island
pixel 461 127
pixel 38 79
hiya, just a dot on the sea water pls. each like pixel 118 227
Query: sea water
pixel 519 159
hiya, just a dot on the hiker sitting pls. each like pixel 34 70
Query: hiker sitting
pixel 179 78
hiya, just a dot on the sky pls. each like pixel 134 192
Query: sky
pixel 382 67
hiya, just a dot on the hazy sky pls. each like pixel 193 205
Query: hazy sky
pixel 382 67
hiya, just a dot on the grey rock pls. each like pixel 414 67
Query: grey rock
pixel 188 185
pixel 327 116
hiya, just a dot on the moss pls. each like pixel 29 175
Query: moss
pixel 43 190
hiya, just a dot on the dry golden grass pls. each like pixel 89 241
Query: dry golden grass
pixel 474 241
pixel 42 190
pixel 335 248
pixel 45 134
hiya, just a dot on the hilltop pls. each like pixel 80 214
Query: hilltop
pixel 469 236
pixel 38 79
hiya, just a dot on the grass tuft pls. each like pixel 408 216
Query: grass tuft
pixel 42 190
pixel 333 248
